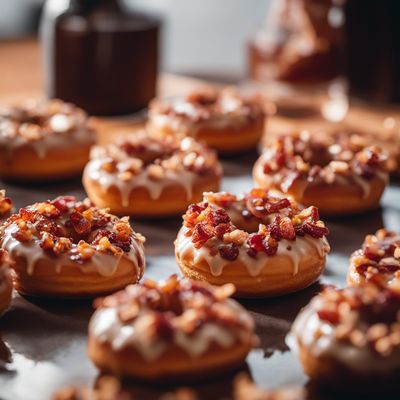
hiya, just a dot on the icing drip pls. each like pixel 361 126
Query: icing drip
pixel 55 140
pixel 102 263
pixel 319 337
pixel 295 250
pixel 107 327
pixel 155 187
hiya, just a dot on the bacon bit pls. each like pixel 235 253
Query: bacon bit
pixel 201 234
pixel 229 251
pixel 80 223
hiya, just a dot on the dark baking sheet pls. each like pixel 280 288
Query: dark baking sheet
pixel 43 343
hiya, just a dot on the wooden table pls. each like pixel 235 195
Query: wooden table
pixel 43 343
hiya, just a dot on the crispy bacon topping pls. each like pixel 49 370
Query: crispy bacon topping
pixel 174 304
pixel 157 157
pixel 303 156
pixel 279 219
pixel 379 256
pixel 76 228
pixel 209 104
pixel 368 315
pixel 34 121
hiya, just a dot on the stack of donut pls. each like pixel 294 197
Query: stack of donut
pixel 44 140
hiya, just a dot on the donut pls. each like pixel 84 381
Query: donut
pixel 262 244
pixel 339 179
pixel 66 248
pixel 150 177
pixel 349 339
pixel 170 331
pixel 5 205
pixel 5 281
pixel 110 388
pixel 377 260
pixel 225 120
pixel 245 389
pixel 44 140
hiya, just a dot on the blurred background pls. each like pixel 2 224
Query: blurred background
pixel 202 38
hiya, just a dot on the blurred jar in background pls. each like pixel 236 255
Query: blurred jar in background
pixel 299 56
pixel 100 56
pixel 301 42
pixel 373 49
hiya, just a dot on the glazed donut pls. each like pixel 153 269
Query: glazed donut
pixel 144 176
pixel 264 245
pixel 65 248
pixel 43 141
pixel 245 389
pixel 226 120
pixel 377 260
pixel 5 206
pixel 5 281
pixel 349 339
pixel 337 179
pixel 170 331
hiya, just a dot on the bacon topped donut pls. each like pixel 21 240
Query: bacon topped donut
pixel 337 177
pixel 145 176
pixel 5 281
pixel 350 338
pixel 225 120
pixel 263 244
pixel 377 260
pixel 170 330
pixel 44 140
pixel 67 248
pixel 5 205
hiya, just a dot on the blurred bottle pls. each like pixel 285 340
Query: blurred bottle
pixel 373 49
pixel 100 56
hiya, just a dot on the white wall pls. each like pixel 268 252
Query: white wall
pixel 206 34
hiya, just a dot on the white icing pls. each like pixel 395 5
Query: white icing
pixel 319 337
pixel 295 250
pixel 107 327
pixel 184 178
pixel 103 263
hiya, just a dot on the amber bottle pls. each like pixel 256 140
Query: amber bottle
pixel 99 55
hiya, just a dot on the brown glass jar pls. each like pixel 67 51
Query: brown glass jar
pixel 100 56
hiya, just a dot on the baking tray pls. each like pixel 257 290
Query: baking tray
pixel 43 342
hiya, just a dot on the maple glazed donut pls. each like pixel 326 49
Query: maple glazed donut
pixel 44 140
pixel 225 120
pixel 349 339
pixel 339 179
pixel 5 281
pixel 145 176
pixel 65 248
pixel 264 245
pixel 169 331
pixel 377 260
